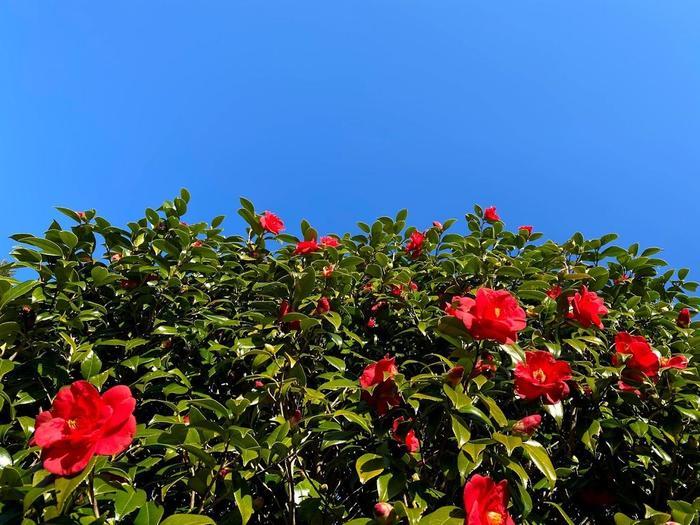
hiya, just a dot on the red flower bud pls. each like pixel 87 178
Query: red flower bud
pixel 554 292
pixel 527 425
pixel 186 420
pixel 128 284
pixel 259 384
pixel 526 228
pixel 295 419
pixel 437 225
pixel 371 322
pixel 196 244
pixel 454 375
pixel 323 306
pixel 116 257
pixel 384 513
pixel 683 319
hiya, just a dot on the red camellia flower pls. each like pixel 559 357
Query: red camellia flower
pixel 81 423
pixel 323 306
pixel 396 289
pixel 483 365
pixel 527 425
pixel 683 319
pixel 554 292
pixel 128 284
pixel 586 308
pixel 541 375
pixel 643 360
pixel 486 502
pixel 371 322
pixel 454 375
pixel 329 242
pixel 271 222
pixel 306 247
pixel 526 228
pixel 286 308
pixel 679 362
pixel 415 244
pixel 405 436
pixel 493 314
pixel 380 375
pixel 491 215
pixel 196 244
pixel 328 271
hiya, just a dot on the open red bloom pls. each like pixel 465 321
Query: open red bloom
pixel 402 433
pixel 306 247
pixel 527 425
pixel 541 375
pixel 486 502
pixel 586 308
pixel 271 222
pixel 81 423
pixel 380 375
pixel 554 292
pixel 415 244
pixel 329 242
pixel 526 228
pixel 679 362
pixel 493 314
pixel 323 306
pixel 491 215
pixel 643 359
pixel 683 319
pixel 378 372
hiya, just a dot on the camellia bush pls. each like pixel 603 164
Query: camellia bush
pixel 165 372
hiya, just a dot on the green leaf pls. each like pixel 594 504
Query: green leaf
pixel 244 502
pixel 369 466
pixel 66 486
pixel 127 501
pixel 540 458
pixel 149 514
pixel 461 432
pixel 188 519
pixel 17 291
pixel 564 515
pixel 444 516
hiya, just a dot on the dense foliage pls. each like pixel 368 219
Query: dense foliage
pixel 357 379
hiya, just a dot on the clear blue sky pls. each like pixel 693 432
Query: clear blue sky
pixel 565 115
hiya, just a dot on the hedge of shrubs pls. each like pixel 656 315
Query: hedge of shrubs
pixel 460 372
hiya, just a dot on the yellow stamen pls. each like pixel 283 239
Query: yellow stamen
pixel 494 518
pixel 72 423
pixel 539 375
pixel 497 312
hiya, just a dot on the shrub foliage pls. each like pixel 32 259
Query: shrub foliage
pixel 244 356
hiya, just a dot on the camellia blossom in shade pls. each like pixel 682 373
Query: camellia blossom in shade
pixel 486 502
pixel 415 244
pixel 329 242
pixel 323 306
pixel 380 376
pixel 554 292
pixel 271 223
pixel 683 319
pixel 401 433
pixel 586 308
pixel 527 425
pixel 306 247
pixel 286 308
pixel 541 375
pixel 82 423
pixel 454 375
pixel 492 314
pixel 491 215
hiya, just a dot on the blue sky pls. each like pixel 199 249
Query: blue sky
pixel 565 115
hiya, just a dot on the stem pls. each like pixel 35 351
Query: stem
pixel 91 494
